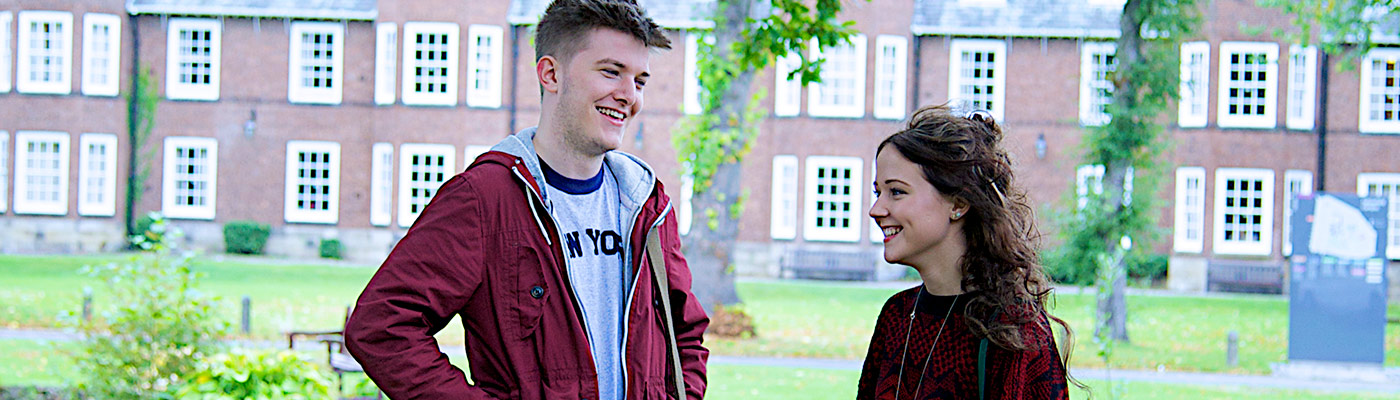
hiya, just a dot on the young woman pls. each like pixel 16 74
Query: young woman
pixel 977 327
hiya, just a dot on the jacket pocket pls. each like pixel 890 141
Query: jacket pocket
pixel 527 290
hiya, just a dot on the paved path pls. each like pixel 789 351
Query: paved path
pixel 1190 378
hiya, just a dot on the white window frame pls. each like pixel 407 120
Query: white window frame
pixel 787 94
pixel 448 95
pixel 210 176
pixel 1262 247
pixel 6 27
pixel 113 51
pixel 1088 179
pixel 176 90
pixel 690 101
pixel 471 152
pixel 685 215
pixel 1268 118
pixel 4 171
pixel 877 235
pixel 998 80
pixel 23 171
pixel 1194 106
pixel 1189 228
pixel 98 174
pixel 891 76
pixel 489 72
pixel 407 151
pixel 386 58
pixel 297 90
pixel 1302 87
pixel 851 195
pixel 1363 183
pixel 782 223
pixel 381 195
pixel 1368 124
pixel 852 57
pixel 1296 182
pixel 63 83
pixel 330 214
pixel 1094 82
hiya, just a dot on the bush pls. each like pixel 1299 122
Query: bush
pixel 144 232
pixel 330 248
pixel 243 374
pixel 1151 267
pixel 245 237
pixel 161 327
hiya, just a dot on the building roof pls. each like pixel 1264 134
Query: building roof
pixel 675 14
pixel 1018 18
pixel 308 9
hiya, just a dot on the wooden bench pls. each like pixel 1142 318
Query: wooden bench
pixel 820 264
pixel 1244 276
pixel 337 356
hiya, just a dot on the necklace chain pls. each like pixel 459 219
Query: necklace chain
pixel 903 355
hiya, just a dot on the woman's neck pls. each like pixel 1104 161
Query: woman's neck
pixel 942 280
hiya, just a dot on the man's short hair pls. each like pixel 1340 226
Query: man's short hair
pixel 566 24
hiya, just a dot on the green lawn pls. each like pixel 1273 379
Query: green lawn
pixel 794 319
pixel 748 382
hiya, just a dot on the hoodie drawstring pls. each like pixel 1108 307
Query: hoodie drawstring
pixel 533 211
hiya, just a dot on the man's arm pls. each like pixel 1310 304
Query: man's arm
pixel 689 317
pixel 427 278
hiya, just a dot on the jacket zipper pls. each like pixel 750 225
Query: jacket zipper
pixel 633 291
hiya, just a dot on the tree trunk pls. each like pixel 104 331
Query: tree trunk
pixel 1113 311
pixel 710 252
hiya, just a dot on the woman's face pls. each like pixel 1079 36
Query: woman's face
pixel 920 224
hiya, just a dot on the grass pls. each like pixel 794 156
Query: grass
pixel 793 319
pixel 749 382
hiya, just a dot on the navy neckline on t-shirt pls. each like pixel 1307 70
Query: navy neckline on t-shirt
pixel 570 185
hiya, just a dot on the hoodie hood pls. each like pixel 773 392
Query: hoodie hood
pixel 635 179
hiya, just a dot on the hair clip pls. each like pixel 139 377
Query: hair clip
pixel 982 116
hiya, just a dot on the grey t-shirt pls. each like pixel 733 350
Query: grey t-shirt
pixel 588 215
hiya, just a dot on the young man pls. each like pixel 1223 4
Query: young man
pixel 539 245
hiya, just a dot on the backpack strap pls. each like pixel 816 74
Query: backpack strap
pixel 982 369
pixel 658 268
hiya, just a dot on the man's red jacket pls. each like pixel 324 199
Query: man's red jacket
pixel 487 249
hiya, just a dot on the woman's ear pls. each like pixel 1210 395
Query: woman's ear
pixel 960 208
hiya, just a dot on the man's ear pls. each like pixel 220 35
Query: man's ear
pixel 547 70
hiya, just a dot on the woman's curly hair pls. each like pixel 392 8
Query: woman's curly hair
pixel 961 155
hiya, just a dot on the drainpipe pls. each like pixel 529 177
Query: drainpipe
pixel 514 74
pixel 132 126
pixel 1321 117
pixel 918 60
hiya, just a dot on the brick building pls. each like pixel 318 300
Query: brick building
pixel 339 118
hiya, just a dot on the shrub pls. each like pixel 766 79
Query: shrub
pixel 330 248
pixel 245 237
pixel 144 232
pixel 731 322
pixel 160 328
pixel 1151 267
pixel 245 374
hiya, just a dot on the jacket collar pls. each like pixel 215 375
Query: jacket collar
pixel 635 179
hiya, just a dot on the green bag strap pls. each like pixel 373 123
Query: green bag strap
pixel 982 369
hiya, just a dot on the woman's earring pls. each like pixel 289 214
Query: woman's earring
pixel 956 215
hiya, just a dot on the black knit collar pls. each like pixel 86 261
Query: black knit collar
pixel 938 305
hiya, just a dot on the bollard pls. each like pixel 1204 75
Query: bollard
pixel 87 304
pixel 1232 350
pixel 247 315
